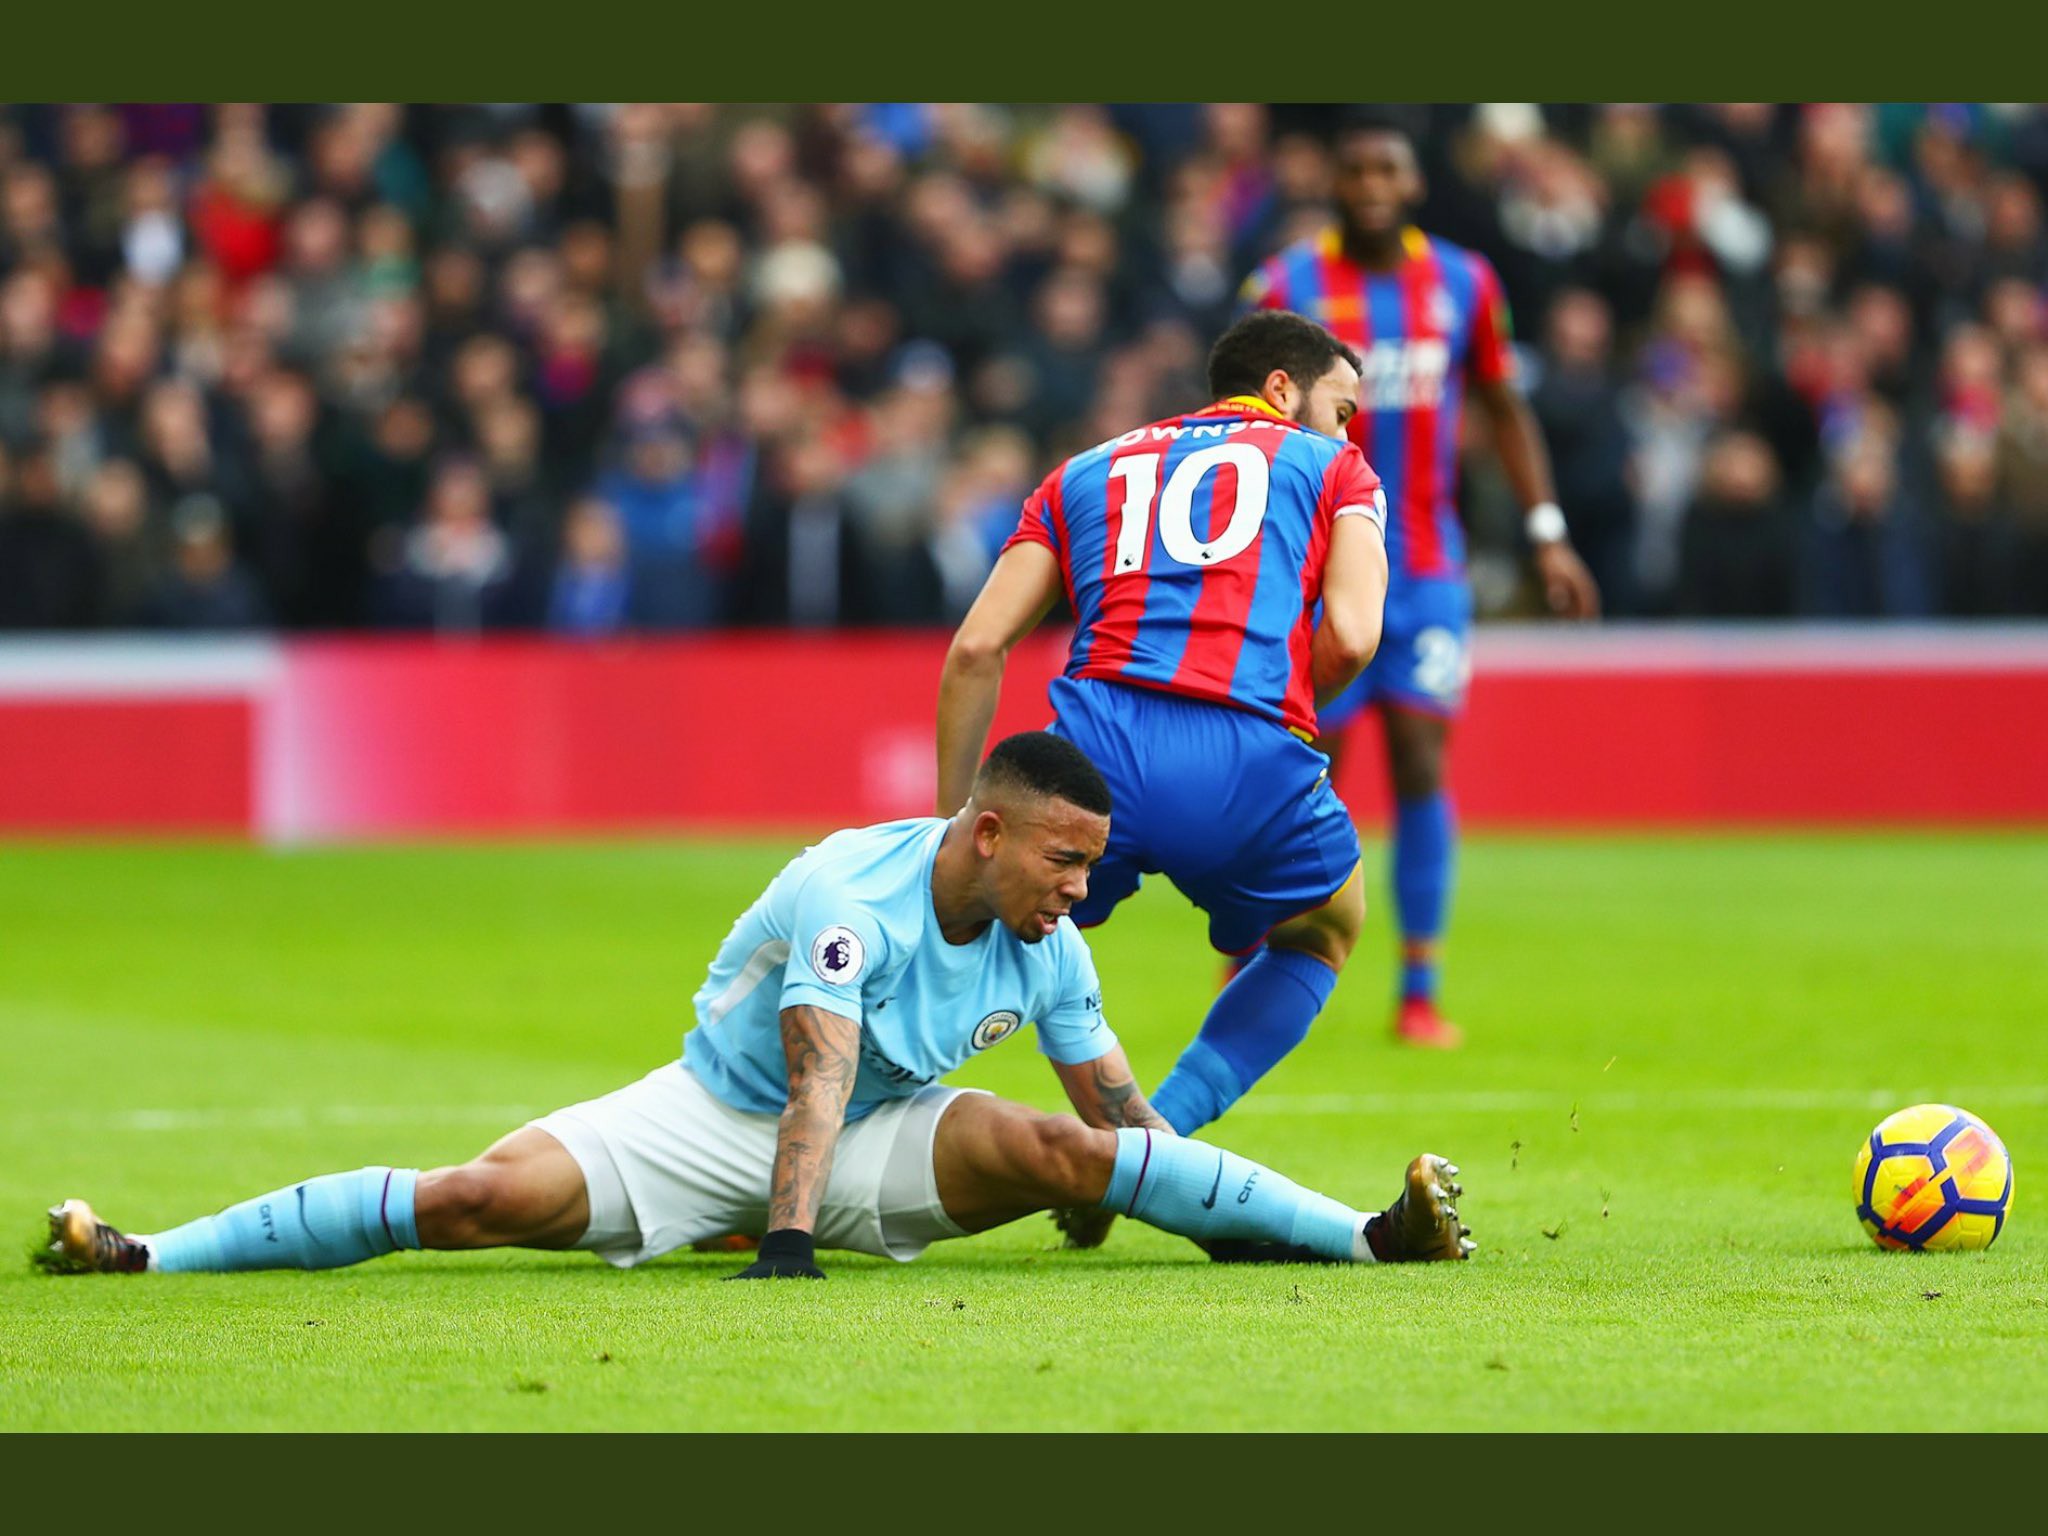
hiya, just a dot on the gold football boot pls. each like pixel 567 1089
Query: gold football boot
pixel 82 1244
pixel 1422 1225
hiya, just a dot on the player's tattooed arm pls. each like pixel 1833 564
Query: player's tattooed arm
pixel 1105 1094
pixel 823 1052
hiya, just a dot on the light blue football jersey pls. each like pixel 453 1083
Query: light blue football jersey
pixel 848 927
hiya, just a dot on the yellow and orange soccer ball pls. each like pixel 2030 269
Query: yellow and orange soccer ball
pixel 1933 1177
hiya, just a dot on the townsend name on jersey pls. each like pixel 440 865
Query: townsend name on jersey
pixel 1173 431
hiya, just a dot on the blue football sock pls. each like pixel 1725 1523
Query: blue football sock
pixel 324 1223
pixel 1206 1193
pixel 1262 1015
pixel 1425 847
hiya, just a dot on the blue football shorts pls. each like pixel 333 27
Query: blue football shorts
pixel 1425 657
pixel 1231 807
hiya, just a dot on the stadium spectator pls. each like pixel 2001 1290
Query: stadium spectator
pixel 388 467
pixel 1576 398
pixel 2023 481
pixel 49 564
pixel 658 498
pixel 802 564
pixel 891 497
pixel 116 512
pixel 234 211
pixel 305 539
pixel 592 591
pixel 453 572
pixel 31 351
pixel 1974 557
pixel 205 588
pixel 1688 389
pixel 510 448
pixel 1064 352
pixel 1865 562
pixel 1740 553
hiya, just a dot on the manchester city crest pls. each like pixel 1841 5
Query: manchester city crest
pixel 999 1025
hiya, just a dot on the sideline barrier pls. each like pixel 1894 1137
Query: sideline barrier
pixel 318 740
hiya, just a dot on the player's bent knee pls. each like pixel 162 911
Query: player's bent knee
pixel 1067 1162
pixel 1328 946
pixel 527 1188
pixel 1330 932
pixel 460 1207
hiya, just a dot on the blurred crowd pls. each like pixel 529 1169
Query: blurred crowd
pixel 592 368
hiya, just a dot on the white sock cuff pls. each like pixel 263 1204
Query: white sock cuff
pixel 1361 1250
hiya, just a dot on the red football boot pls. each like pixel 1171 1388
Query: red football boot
pixel 1419 1024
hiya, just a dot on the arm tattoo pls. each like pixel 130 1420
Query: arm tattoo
pixel 1118 1101
pixel 823 1052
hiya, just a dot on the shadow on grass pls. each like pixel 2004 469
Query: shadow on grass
pixel 470 1265
pixel 715 1266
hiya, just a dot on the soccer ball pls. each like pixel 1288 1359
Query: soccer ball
pixel 1933 1176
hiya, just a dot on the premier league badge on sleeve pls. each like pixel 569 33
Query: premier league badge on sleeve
pixel 837 955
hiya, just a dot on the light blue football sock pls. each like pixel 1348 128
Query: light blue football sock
pixel 1205 1193
pixel 324 1223
pixel 1258 1018
pixel 1425 860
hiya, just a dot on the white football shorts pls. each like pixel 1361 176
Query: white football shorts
pixel 667 1163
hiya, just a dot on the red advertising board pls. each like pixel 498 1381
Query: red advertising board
pixel 338 739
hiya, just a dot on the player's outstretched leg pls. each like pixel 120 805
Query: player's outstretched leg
pixel 1420 1226
pixel 996 1161
pixel 1263 1012
pixel 323 1223
pixel 526 1190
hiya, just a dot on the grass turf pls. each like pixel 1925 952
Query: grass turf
pixel 1676 1045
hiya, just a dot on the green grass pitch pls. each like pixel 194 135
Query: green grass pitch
pixel 1676 1045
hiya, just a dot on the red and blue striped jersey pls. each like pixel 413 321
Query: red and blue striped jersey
pixel 1193 553
pixel 1422 330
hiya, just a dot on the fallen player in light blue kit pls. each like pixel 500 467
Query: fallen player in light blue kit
pixel 807 1107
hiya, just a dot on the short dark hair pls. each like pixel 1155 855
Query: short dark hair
pixel 1040 763
pixel 1361 121
pixel 1267 339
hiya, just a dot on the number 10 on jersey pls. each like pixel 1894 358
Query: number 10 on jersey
pixel 1139 473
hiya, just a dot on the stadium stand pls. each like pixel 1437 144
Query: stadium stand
pixel 592 368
